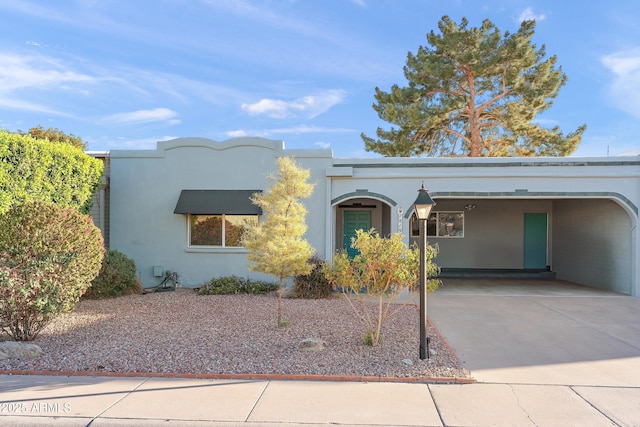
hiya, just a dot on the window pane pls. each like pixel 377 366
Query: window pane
pixel 432 224
pixel 206 230
pixel 234 226
pixel 414 225
pixel 451 224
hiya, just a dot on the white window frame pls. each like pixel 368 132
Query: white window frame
pixel 436 217
pixel 223 244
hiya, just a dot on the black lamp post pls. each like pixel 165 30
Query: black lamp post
pixel 422 207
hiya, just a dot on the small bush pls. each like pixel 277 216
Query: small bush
pixel 117 277
pixel 383 268
pixel 313 285
pixel 48 256
pixel 231 285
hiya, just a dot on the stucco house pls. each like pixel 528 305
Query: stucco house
pixel 572 218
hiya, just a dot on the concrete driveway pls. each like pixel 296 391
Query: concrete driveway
pixel 544 332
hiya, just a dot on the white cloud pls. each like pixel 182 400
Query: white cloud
pixel 307 106
pixel 17 104
pixel 270 107
pixel 17 72
pixel 145 116
pixel 295 130
pixel 236 133
pixel 624 90
pixel 529 15
pixel 36 44
pixel 322 144
pixel 28 77
pixel 309 129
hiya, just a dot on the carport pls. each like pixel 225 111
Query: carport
pixel 586 240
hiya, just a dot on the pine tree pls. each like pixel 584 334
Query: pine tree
pixel 473 92
pixel 276 245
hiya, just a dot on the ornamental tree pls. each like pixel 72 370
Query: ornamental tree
pixel 473 92
pixel 276 245
pixel 373 279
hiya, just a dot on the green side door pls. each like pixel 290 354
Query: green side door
pixel 535 240
pixel 354 220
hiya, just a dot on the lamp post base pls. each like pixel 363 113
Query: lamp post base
pixel 424 349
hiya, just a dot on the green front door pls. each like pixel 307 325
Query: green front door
pixel 354 220
pixel 535 240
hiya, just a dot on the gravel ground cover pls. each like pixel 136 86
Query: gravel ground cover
pixel 182 332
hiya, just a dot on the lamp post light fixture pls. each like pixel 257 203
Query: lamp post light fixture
pixel 422 207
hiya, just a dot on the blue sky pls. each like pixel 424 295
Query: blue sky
pixel 124 74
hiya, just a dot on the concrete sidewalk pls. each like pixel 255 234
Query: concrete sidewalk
pixel 544 353
pixel 110 401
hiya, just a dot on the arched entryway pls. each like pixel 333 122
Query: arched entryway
pixel 360 210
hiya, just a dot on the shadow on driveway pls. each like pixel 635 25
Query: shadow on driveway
pixel 540 331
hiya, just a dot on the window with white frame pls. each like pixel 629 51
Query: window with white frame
pixel 440 224
pixel 219 230
pixel 217 218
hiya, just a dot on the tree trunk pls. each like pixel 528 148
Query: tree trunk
pixel 474 119
pixel 280 303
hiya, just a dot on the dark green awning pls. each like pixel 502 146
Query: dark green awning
pixel 217 202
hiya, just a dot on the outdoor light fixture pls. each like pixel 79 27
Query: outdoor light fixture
pixel 422 207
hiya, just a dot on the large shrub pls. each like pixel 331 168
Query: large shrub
pixel 48 256
pixel 33 169
pixel 117 277
pixel 313 285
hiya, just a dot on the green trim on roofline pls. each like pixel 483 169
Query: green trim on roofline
pixel 427 163
pixel 363 193
pixel 530 195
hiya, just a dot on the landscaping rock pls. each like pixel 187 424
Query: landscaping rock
pixel 288 292
pixel 407 362
pixel 312 344
pixel 19 350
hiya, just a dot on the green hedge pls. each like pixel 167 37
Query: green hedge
pixel 33 169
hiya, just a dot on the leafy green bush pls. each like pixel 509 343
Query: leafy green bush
pixel 313 285
pixel 383 268
pixel 48 256
pixel 39 170
pixel 117 277
pixel 231 285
